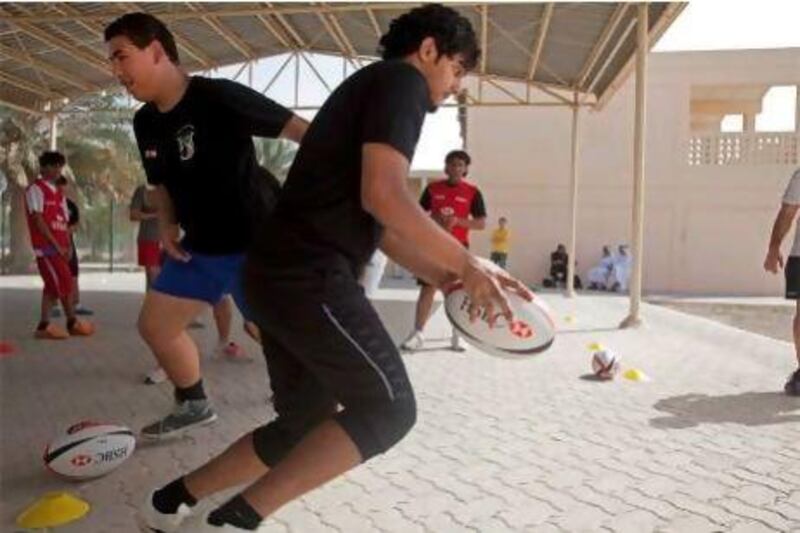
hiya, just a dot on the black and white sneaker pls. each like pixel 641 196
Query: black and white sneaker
pixel 151 520
pixel 792 387
pixel 186 415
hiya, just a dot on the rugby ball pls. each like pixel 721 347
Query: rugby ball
pixel 89 449
pixel 605 364
pixel 531 331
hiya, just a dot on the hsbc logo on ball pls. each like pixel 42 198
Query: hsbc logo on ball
pixel 81 460
pixel 112 455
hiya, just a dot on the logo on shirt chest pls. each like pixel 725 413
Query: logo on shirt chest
pixel 185 138
pixel 151 153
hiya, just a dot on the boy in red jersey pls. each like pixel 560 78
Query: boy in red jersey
pixel 48 219
pixel 456 205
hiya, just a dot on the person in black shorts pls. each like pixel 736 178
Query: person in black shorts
pixel 195 138
pixel 774 261
pixel 73 224
pixel 324 344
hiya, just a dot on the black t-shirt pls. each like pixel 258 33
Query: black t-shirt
pixel 202 152
pixel 74 213
pixel 319 212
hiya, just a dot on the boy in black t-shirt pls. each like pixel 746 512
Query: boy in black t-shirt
pixel 195 139
pixel 324 343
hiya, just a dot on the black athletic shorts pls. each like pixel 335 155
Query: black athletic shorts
pixel 792 272
pixel 325 346
pixel 73 261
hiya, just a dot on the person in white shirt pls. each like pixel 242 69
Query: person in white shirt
pixel 621 270
pixel 600 274
pixel 774 262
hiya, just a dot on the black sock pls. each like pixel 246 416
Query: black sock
pixel 71 322
pixel 42 325
pixel 193 392
pixel 236 512
pixel 168 498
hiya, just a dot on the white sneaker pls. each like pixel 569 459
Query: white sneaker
pixel 199 524
pixel 415 341
pixel 155 376
pixel 455 343
pixel 151 519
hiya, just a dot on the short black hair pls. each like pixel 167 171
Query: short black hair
pixel 142 29
pixel 52 159
pixel 451 31
pixel 458 154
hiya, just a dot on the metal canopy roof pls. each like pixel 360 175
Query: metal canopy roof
pixel 52 51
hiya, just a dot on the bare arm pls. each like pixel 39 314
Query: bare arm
pixel 408 255
pixel 137 215
pixel 384 195
pixel 45 230
pixel 294 129
pixel 782 225
pixel 471 223
pixel 168 225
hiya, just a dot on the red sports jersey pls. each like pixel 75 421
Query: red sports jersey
pixel 455 200
pixel 53 210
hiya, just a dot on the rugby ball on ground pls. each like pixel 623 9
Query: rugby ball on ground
pixel 89 449
pixel 531 331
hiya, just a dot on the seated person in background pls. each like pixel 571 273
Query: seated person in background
pixel 558 269
pixel 621 272
pixel 599 275
pixel 558 264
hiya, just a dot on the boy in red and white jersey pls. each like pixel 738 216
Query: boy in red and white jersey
pixel 48 217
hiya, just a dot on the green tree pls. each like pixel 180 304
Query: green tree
pixel 96 136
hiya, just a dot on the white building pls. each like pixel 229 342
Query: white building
pixel 711 197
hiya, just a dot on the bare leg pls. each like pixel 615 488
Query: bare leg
pixel 47 307
pixel 223 316
pixel 796 329
pixel 150 274
pixel 324 454
pixel 237 465
pixel 424 305
pixel 162 324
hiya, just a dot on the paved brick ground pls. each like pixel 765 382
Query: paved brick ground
pixel 709 445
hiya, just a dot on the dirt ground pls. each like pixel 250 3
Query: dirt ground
pixel 771 320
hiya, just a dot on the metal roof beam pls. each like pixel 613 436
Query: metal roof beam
pixel 374 21
pixel 47 68
pixel 27 85
pixel 97 62
pixel 213 20
pixel 538 46
pixel 600 45
pixel 285 9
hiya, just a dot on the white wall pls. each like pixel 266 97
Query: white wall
pixel 706 227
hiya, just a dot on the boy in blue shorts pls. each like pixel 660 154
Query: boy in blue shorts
pixel 195 139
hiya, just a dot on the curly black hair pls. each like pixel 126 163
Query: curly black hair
pixel 142 29
pixel 452 33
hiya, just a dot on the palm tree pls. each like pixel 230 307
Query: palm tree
pixel 97 139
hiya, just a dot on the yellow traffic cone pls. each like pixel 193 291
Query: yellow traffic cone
pixel 634 374
pixel 595 347
pixel 52 510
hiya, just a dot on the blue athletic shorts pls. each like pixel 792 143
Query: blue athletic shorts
pixel 203 277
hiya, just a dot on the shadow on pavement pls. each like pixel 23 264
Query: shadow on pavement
pixel 748 409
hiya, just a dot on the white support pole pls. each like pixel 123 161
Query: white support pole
pixel 633 319
pixel 797 109
pixel 250 74
pixel 53 130
pixel 573 237
pixel 296 79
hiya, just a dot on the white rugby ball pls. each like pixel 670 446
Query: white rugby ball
pixel 605 364
pixel 531 331
pixel 89 449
